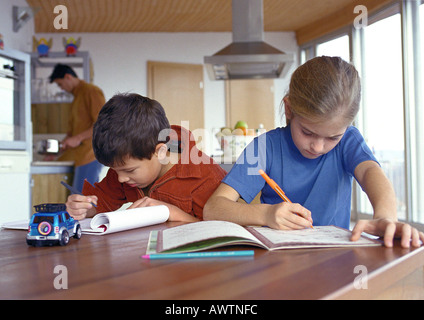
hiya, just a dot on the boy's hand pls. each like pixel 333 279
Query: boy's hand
pixel 146 202
pixel 175 213
pixel 288 216
pixel 389 229
pixel 80 207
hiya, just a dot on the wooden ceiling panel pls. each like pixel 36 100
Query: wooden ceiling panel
pixel 308 18
pixel 176 15
pixel 136 15
pixel 290 15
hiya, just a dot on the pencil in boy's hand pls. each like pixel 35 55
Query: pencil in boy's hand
pixel 276 187
pixel 74 191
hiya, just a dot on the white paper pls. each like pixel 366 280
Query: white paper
pixel 16 225
pixel 115 221
pixel 318 236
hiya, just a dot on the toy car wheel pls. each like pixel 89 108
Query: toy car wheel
pixel 78 232
pixel 64 239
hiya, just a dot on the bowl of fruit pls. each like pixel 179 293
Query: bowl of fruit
pixel 233 141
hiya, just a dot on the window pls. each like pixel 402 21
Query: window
pixel 336 47
pixel 383 103
pixel 419 116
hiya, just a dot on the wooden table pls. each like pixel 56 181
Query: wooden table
pixel 110 267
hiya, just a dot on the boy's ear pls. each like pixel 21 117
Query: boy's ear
pixel 161 150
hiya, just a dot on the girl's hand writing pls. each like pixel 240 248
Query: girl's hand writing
pixel 288 216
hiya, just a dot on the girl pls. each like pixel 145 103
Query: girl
pixel 313 159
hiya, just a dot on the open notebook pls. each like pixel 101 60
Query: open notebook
pixel 212 234
pixel 115 221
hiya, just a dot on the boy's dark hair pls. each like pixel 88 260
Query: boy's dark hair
pixel 60 70
pixel 128 125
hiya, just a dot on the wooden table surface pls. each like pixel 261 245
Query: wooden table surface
pixel 110 267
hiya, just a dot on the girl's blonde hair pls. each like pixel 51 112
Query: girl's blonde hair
pixel 324 87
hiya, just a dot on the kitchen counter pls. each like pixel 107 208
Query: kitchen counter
pixel 51 167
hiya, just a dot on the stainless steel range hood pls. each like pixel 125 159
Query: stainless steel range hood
pixel 248 56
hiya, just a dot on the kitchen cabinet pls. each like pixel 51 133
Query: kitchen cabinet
pixel 45 181
pixel 46 188
pixel 251 101
pixel 50 118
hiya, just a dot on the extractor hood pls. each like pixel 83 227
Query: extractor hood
pixel 248 56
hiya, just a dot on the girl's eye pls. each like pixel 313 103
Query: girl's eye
pixel 335 138
pixel 306 133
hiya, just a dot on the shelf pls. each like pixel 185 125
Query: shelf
pixel 81 60
pixel 51 101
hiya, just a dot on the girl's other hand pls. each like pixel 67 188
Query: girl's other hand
pixel 389 230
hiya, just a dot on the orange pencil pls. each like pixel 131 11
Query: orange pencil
pixel 276 188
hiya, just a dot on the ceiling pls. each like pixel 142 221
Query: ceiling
pixel 177 15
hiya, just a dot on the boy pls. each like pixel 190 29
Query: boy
pixel 150 162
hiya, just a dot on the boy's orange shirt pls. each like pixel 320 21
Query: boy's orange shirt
pixel 187 185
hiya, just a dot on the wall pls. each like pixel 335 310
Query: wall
pixel 120 58
pixel 21 40
pixel 120 61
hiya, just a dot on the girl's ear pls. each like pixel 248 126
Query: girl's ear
pixel 161 150
pixel 287 108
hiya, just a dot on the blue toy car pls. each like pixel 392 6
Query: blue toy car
pixel 52 225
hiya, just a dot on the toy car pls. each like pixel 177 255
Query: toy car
pixel 51 225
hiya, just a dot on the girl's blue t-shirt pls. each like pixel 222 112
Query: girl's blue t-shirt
pixel 322 185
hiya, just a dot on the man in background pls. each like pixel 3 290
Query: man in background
pixel 77 146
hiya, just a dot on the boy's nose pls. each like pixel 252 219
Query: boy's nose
pixel 122 178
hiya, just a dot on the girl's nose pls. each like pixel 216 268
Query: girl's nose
pixel 317 146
